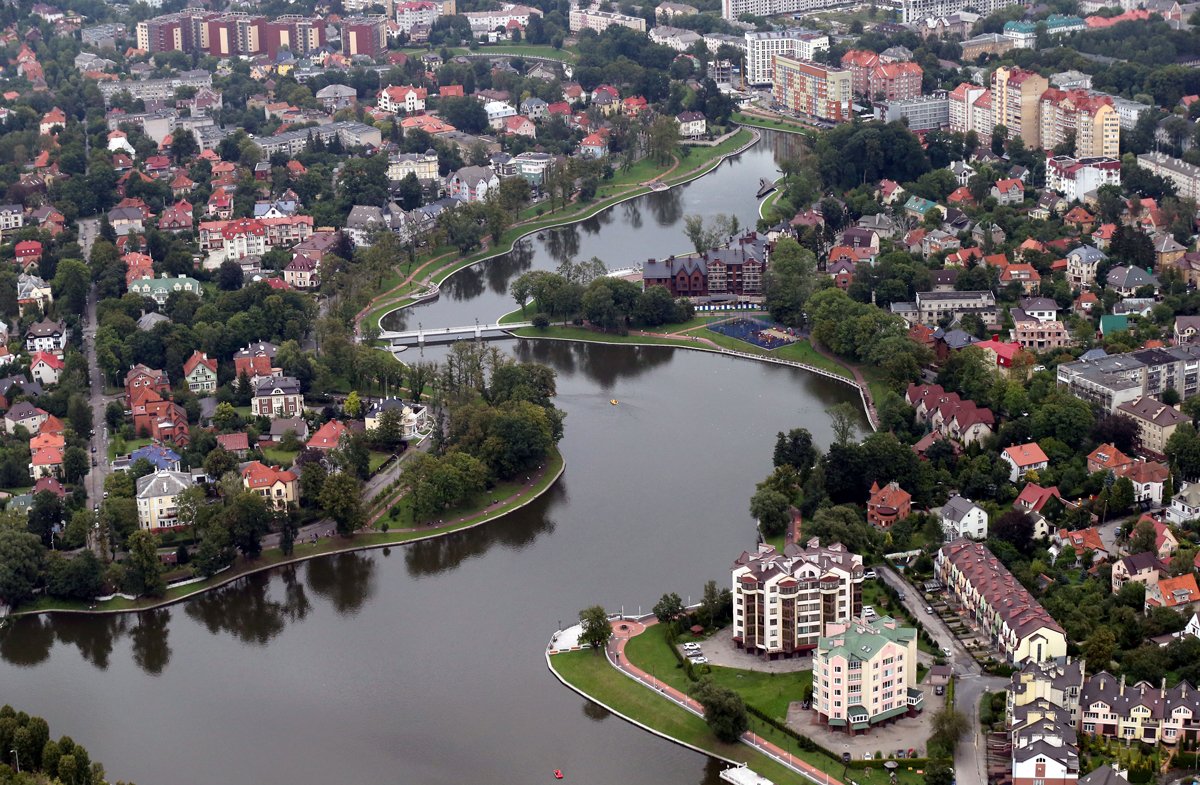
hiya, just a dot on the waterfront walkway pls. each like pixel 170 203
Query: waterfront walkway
pixel 624 629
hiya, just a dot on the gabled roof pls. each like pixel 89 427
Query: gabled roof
pixel 1026 454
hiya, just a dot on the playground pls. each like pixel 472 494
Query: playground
pixel 760 333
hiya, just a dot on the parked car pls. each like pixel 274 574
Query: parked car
pixel 870 574
pixel 928 609
pixel 698 660
pixel 846 758
pixel 868 612
pixel 939 690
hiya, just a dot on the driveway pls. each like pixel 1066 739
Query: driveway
pixel 903 734
pixel 720 650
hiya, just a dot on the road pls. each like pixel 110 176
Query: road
pixel 970 758
pixel 94 481
pixel 89 230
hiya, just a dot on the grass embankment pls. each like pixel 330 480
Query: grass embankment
pixel 590 672
pixel 623 185
pixel 772 124
pixel 768 203
pixel 272 557
pixel 594 336
pixel 768 692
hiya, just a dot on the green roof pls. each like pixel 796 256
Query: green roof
pixel 1112 323
pixel 861 642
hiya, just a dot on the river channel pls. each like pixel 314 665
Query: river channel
pixel 424 664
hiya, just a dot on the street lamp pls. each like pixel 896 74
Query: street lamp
pixel 17 755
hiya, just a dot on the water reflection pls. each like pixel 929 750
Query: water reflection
pixel 516 530
pixel 595 712
pixel 603 364
pixel 633 213
pixel 148 639
pixel 246 610
pixel 562 243
pixel 346 580
pixel 93 637
pixel 27 641
pixel 666 206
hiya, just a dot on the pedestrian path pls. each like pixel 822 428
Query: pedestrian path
pixel 624 629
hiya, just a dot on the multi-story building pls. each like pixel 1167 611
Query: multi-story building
pixel 588 19
pixel 860 62
pixel 159 289
pixel 895 81
pixel 103 36
pixel 185 31
pixel 948 415
pixel 1185 176
pixel 932 307
pixel 1156 423
pixel 1016 95
pixel 364 35
pixel 812 90
pixel 402 98
pixel 277 396
pixel 301 35
pixel 923 113
pixel 1091 120
pixel 1015 623
pixel 1143 712
pixel 1039 336
pixel 423 165
pixel 761 48
pixel 783 602
pixel 508 16
pixel 865 674
pixel 736 269
pixel 1055 683
pixel 963 518
pixel 959 103
pixel 278 486
pixel 416 12
pixel 1122 378
pixel 1076 177
pixel 156 495
pixel 348 132
pixel 911 11
pixel 733 9
pixel 986 44
pixel 200 373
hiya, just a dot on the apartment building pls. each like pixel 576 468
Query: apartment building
pixel 1016 95
pixel 812 90
pixel 733 9
pixel 416 12
pixel 587 19
pixel 761 49
pixel 895 81
pixel 156 498
pixel 1156 423
pixel 510 15
pixel 1120 379
pixel 348 132
pixel 1142 712
pixel 1090 119
pixel 933 307
pixel 922 113
pixel 783 602
pixel 864 674
pixel 912 11
pixel 423 165
pixel 1076 177
pixel 860 62
pixel 1039 336
pixel 1015 623
pixel 959 103
pixel 948 415
pixel 364 35
pixel 1185 176
pixel 1057 684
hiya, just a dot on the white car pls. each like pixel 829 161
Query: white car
pixel 691 647
pixel 698 660
pixel 870 575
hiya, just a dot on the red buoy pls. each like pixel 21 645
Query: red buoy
pixel 558 775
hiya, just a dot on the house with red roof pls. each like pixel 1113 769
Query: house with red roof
pixel 402 98
pixel 46 368
pixel 593 146
pixel 1023 459
pixel 27 253
pixel 1107 458
pixel 888 504
pixel 181 185
pixel 1082 541
pixel 1179 594
pixel 1033 497
pixel 55 118
pixel 1005 356
pixel 1080 218
pixel 1010 191
pixel 177 217
pixel 328 436
pixel 200 373
pixel 520 126
pixel 960 195
pixel 1024 274
pixel 278 486
pixel 633 105
pixel 236 443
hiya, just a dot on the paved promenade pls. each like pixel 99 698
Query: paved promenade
pixel 625 629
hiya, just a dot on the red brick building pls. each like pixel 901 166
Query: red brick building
pixel 888 504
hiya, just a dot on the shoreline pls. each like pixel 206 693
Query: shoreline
pixel 481 519
pixel 684 344
pixel 642 190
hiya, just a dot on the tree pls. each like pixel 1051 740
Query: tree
pixel 789 282
pixel 77 578
pixel 706 236
pixel 353 405
pixel 795 448
pixel 669 607
pixel 948 727
pixel 21 560
pixel 843 417
pixel 71 283
pixel 143 570
pixel 724 711
pixel 341 499
pixel 770 508
pixel 1016 528
pixel 247 519
pixel 939 772
pixel 597 629
pixel 1099 648
pixel 230 276
pixel 662 140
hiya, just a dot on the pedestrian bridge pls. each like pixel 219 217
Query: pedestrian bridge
pixel 449 334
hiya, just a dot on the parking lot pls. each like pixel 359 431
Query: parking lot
pixel 903 734
pixel 720 650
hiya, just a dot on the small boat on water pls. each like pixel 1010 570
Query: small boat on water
pixel 614 401
pixel 558 775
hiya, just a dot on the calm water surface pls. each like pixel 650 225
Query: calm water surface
pixel 424 664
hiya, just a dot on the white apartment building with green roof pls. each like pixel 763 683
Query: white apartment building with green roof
pixel 865 673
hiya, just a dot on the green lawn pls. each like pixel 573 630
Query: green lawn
pixel 591 673
pixel 800 351
pixel 582 334
pixel 787 126
pixel 769 692
pixel 120 446
pixel 279 457
pixel 377 460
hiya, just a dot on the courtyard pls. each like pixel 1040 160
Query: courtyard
pixel 902 734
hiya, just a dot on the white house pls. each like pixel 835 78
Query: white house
pixel 471 183
pixel 156 498
pixel 1024 458
pixel 45 367
pixel 962 517
pixel 402 98
pixel 497 111
pixel 691 124
pixel 1185 505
